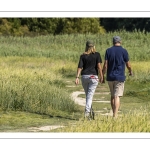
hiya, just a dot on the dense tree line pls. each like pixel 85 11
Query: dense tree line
pixel 128 24
pixel 44 26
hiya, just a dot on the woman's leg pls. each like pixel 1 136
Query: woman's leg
pixel 85 84
pixel 90 93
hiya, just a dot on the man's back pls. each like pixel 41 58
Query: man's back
pixel 116 57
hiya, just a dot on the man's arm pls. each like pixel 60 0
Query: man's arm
pixel 104 67
pixel 128 65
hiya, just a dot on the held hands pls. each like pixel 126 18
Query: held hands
pixel 101 80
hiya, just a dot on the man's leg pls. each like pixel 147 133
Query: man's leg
pixel 118 91
pixel 116 105
pixel 112 101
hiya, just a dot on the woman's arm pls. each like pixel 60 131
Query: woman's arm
pixel 100 72
pixel 77 76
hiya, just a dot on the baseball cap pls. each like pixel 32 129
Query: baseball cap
pixel 116 39
pixel 89 43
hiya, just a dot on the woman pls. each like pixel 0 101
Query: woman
pixel 90 68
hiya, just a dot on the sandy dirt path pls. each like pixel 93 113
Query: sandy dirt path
pixel 80 101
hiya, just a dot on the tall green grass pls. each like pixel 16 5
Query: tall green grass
pixel 34 85
pixel 135 121
pixel 69 47
pixel 33 69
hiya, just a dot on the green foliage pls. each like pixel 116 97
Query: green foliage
pixel 42 26
pixel 128 24
pixel 55 26
pixel 45 26
pixel 12 28
pixel 5 27
pixel 82 26
pixel 70 46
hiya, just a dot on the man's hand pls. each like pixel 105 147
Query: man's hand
pixel 130 73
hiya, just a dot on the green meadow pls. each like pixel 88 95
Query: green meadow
pixel 37 77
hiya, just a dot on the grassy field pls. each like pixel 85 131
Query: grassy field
pixel 34 73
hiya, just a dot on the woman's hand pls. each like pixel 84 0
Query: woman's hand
pixel 77 81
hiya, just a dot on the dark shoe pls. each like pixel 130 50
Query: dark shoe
pixel 92 114
pixel 87 116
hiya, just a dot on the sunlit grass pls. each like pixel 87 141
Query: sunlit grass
pixel 135 121
pixel 34 71
pixel 19 121
pixel 70 47
pixel 34 85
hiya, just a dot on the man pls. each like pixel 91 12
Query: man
pixel 116 58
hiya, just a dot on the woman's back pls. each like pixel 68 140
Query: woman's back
pixel 88 63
